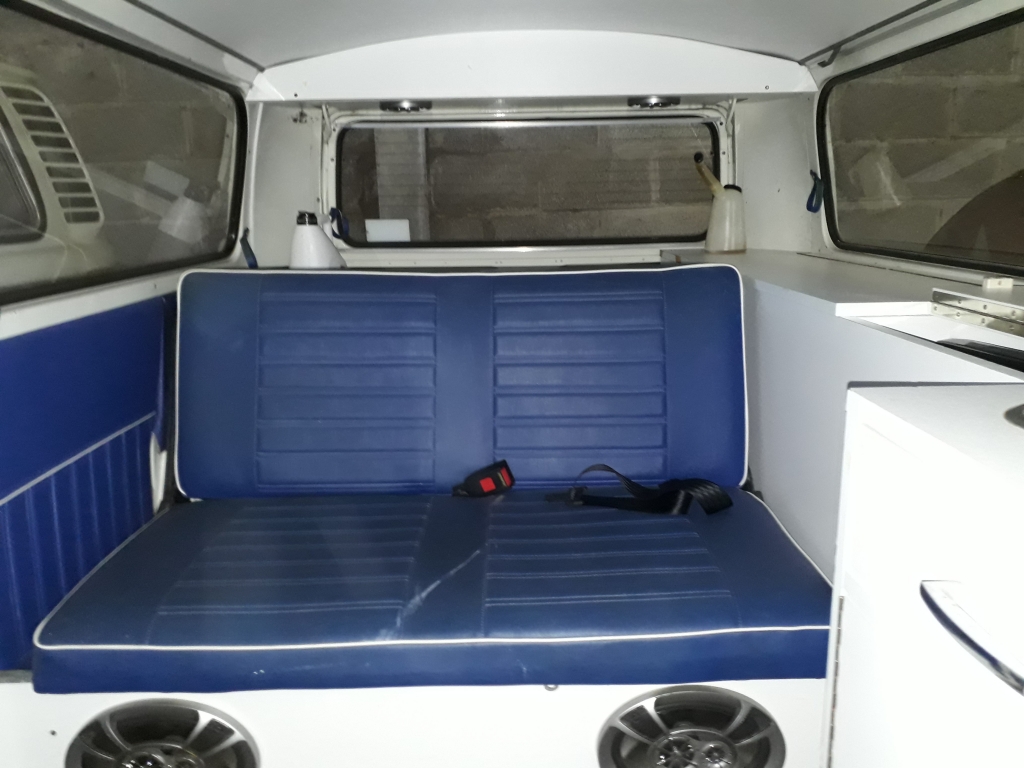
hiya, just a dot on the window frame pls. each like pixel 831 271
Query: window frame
pixel 363 122
pixel 14 294
pixel 825 146
pixel 20 162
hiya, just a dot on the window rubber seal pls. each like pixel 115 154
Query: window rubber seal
pixel 490 244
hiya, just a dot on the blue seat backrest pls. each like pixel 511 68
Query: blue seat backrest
pixel 343 383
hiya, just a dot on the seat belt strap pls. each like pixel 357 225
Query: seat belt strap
pixel 673 497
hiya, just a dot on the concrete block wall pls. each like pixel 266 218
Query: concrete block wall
pixel 912 144
pixel 569 183
pixel 122 112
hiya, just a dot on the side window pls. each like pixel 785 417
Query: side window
pixel 111 164
pixel 926 152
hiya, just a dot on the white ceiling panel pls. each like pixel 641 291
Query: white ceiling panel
pixel 519 65
pixel 272 32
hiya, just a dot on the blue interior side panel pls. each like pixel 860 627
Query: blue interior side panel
pixel 53 534
pixel 348 383
pixel 78 405
pixel 67 387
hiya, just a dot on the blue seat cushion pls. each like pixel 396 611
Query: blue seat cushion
pixel 367 591
pixel 325 384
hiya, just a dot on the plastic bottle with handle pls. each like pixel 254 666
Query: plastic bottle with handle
pixel 311 247
pixel 727 232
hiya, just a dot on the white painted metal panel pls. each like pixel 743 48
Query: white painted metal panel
pixel 931 491
pixel 284 178
pixel 465 727
pixel 775 153
pixel 532 64
pixel 272 32
pixel 801 360
pixel 234 39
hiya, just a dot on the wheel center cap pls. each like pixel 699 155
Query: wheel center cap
pixel 693 748
pixel 160 755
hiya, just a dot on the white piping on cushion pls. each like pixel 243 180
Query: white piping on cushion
pixel 430 642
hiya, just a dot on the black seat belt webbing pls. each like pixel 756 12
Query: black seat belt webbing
pixel 673 497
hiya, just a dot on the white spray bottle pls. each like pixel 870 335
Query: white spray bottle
pixel 727 232
pixel 311 247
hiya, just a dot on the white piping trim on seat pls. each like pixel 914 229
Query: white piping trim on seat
pixel 430 642
pixel 75 458
pixel 790 537
pixel 100 564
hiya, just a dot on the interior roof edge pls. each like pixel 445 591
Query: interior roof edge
pixel 519 64
pixel 141 29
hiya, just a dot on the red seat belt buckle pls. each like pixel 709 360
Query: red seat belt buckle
pixel 489 481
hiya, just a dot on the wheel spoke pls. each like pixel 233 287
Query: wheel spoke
pixel 633 746
pixel 231 740
pixel 649 706
pixel 757 736
pixel 204 720
pixel 95 752
pixel 741 715
pixel 107 724
pixel 631 733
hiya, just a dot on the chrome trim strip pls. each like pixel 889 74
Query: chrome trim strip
pixel 969 633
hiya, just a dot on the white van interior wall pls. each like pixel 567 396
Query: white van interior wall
pixel 284 179
pixel 775 153
pixel 801 358
pixel 531 64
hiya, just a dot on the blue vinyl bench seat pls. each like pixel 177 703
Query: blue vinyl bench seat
pixel 322 421
pixel 371 591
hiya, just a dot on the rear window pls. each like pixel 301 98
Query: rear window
pixel 112 163
pixel 524 182
pixel 926 152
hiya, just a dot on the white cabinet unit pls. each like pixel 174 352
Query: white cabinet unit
pixel 929 579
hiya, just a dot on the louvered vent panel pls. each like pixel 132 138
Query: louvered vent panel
pixel 64 166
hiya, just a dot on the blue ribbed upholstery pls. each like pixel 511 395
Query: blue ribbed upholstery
pixel 391 591
pixel 65 390
pixel 308 404
pixel 54 533
pixel 348 383
pixel 70 386
pixel 592 366
pixel 345 371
